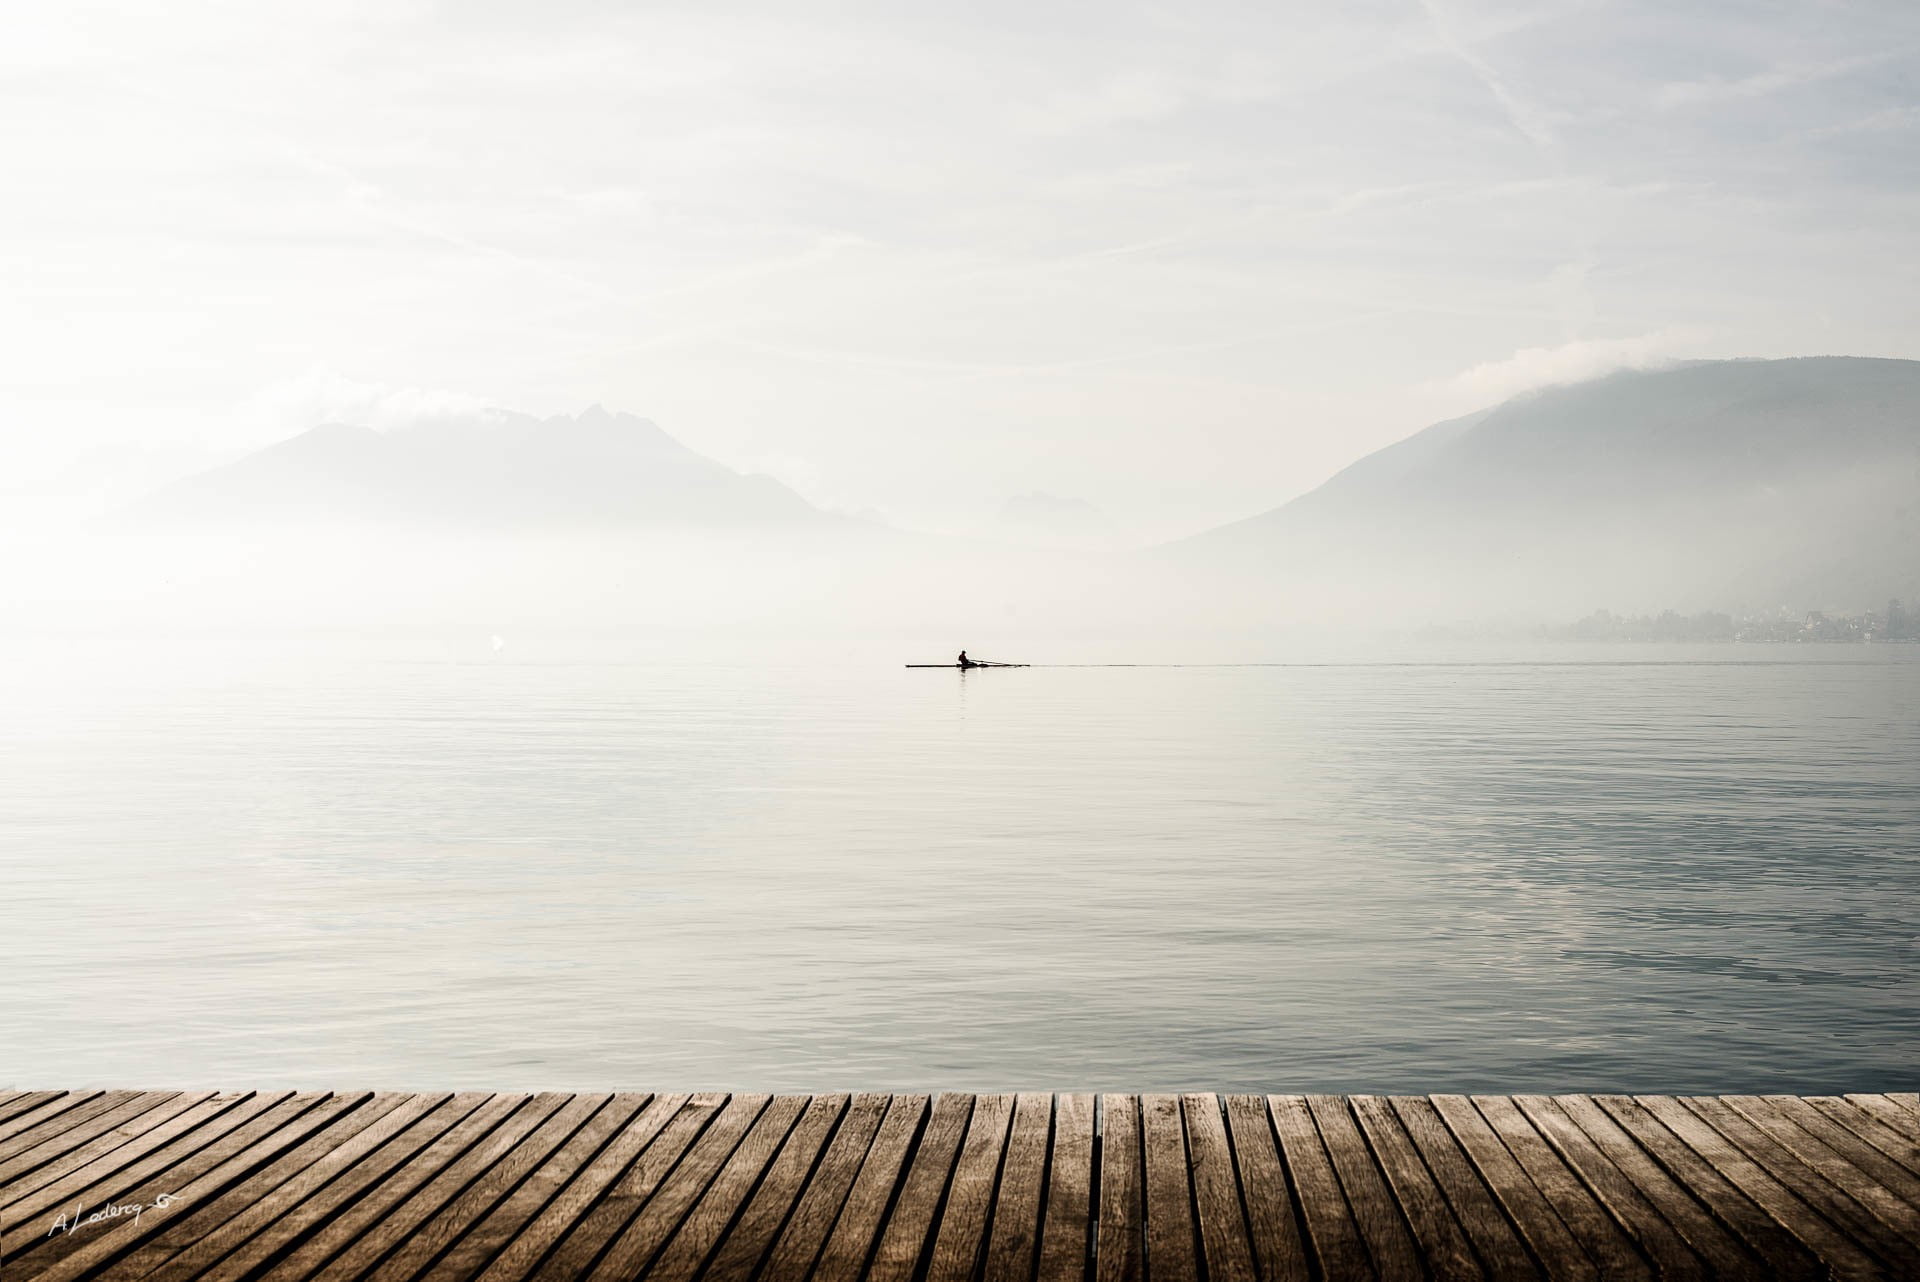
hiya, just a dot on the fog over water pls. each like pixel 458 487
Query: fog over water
pixel 551 863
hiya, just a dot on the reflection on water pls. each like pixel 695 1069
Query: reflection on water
pixel 543 870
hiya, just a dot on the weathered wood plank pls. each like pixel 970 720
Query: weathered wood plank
pixel 904 1239
pixel 205 1235
pixel 636 1245
pixel 405 1223
pixel 1829 1199
pixel 62 1105
pixel 1888 1113
pixel 490 1235
pixel 1870 1128
pixel 1657 1238
pixel 91 1172
pixel 60 1142
pixel 961 1237
pixel 1605 1242
pixel 1337 1240
pixel 1742 1154
pixel 1218 1214
pixel 700 1232
pixel 14 1103
pixel 616 1165
pixel 214 1163
pixel 1552 1241
pixel 1765 1213
pixel 1658 1190
pixel 1374 1209
pixel 749 1240
pixel 1478 1212
pixel 381 1187
pixel 1854 1167
pixel 1119 1247
pixel 491 1173
pixel 1015 1244
pixel 848 1194
pixel 1066 1239
pixel 1272 1231
pixel 1442 1243
pixel 1172 1250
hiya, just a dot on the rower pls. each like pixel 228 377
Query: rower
pixel 963 660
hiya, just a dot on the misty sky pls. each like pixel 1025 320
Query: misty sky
pixel 1181 260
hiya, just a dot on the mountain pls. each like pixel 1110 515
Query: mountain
pixel 1715 483
pixel 497 471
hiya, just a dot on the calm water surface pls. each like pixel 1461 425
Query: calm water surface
pixel 411 866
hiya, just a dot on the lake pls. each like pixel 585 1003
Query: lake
pixel 572 866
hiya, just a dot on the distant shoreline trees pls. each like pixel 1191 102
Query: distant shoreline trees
pixel 1897 622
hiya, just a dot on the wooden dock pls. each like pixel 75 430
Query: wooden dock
pixel 282 1185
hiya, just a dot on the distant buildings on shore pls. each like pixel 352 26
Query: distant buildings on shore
pixel 1897 622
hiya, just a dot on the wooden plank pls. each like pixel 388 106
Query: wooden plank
pixel 1780 1227
pixel 1474 1205
pixel 1216 1192
pixel 706 1225
pixel 1066 1238
pixel 14 1103
pixel 62 1104
pixel 962 1236
pixel 1443 1244
pixel 525 1251
pixel 743 1248
pixel 1854 1167
pixel 1172 1249
pixel 199 1178
pixel 1272 1230
pixel 1657 1192
pixel 406 1221
pixel 1119 1249
pixel 381 1186
pixel 629 1254
pixel 205 1235
pixel 339 1181
pixel 1368 1197
pixel 863 1149
pixel 1893 1143
pixel 1015 1246
pixel 1832 1200
pixel 1658 1239
pixel 489 1235
pixel 1553 1243
pixel 1337 1241
pixel 1780 1165
pixel 585 1239
pixel 69 1139
pixel 903 1240
pixel 495 1171
pixel 85 1171
pixel 1888 1114
pixel 1604 1240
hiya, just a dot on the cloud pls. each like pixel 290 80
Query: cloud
pixel 1688 93
pixel 321 395
pixel 1532 367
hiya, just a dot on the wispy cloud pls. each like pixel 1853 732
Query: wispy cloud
pixel 1693 93
pixel 1534 367
pixel 1527 120
pixel 321 395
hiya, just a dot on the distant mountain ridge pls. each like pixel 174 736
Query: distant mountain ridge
pixel 497 470
pixel 1711 483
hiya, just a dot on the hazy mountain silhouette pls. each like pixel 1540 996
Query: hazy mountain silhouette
pixel 1707 483
pixel 498 471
